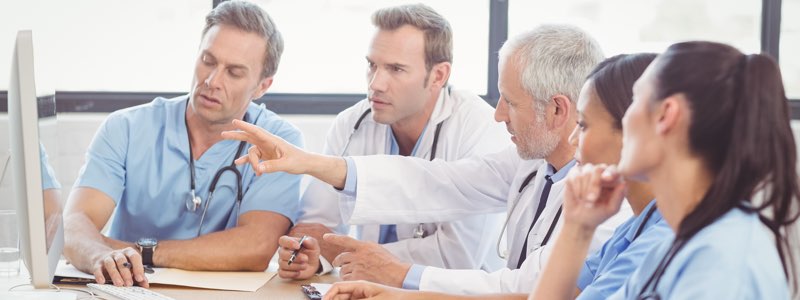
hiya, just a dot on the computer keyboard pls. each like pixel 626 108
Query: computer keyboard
pixel 128 293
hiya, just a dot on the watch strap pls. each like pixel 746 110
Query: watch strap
pixel 147 255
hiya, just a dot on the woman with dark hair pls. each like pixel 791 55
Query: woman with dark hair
pixel 708 129
pixel 606 95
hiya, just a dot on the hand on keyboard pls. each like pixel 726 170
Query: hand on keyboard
pixel 128 293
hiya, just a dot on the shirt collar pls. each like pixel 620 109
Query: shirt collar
pixel 654 218
pixel 556 176
pixel 395 148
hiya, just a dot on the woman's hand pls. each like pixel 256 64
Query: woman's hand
pixel 593 194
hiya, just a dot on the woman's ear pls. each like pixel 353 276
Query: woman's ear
pixel 670 113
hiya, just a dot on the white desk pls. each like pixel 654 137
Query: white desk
pixel 276 288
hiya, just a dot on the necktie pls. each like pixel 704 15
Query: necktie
pixel 388 234
pixel 542 203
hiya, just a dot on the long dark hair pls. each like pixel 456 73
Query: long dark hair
pixel 613 81
pixel 740 127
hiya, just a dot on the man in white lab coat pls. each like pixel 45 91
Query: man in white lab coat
pixel 541 73
pixel 410 111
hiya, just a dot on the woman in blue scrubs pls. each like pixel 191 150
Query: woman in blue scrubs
pixel 598 137
pixel 708 129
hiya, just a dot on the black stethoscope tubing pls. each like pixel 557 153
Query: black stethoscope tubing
pixel 550 229
pixel 217 175
pixel 419 232
pixel 553 223
pixel 647 217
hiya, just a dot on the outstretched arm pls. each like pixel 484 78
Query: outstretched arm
pixel 271 153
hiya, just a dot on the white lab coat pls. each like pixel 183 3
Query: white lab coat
pixel 475 185
pixel 468 129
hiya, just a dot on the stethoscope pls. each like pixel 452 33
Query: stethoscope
pixel 648 291
pixel 522 188
pixel 419 231
pixel 194 201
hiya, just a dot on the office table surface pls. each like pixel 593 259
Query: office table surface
pixel 275 288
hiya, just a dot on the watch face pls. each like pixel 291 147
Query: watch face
pixel 147 242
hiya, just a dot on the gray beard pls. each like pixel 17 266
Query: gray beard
pixel 539 147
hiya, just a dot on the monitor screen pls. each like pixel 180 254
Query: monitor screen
pixel 32 135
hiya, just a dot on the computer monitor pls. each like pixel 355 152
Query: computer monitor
pixel 39 208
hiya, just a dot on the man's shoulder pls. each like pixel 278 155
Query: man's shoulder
pixel 272 122
pixel 148 112
pixel 349 116
pixel 156 106
pixel 466 101
pixel 354 111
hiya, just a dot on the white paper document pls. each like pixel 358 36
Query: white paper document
pixel 230 281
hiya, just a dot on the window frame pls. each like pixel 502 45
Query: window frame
pixel 771 40
pixel 316 104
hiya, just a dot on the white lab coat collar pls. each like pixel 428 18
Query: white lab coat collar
pixel 441 112
pixel 521 216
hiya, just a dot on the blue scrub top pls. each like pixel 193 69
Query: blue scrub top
pixel 49 180
pixel 733 258
pixel 606 270
pixel 140 158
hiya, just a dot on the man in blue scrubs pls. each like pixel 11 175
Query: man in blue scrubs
pixel 155 166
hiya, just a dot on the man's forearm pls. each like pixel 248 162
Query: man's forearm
pixel 83 242
pixel 243 248
pixel 329 169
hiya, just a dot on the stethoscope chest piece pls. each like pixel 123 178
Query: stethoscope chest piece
pixel 193 202
pixel 419 232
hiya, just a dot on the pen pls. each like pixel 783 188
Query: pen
pixel 147 269
pixel 294 253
